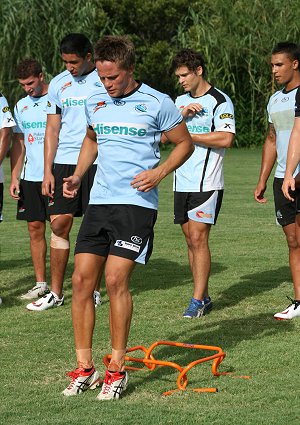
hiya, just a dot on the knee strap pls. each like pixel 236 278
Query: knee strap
pixel 57 242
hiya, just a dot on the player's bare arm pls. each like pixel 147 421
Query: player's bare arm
pixel 293 158
pixel 50 148
pixel 17 155
pixel 269 156
pixel 147 180
pixel 215 139
pixel 87 156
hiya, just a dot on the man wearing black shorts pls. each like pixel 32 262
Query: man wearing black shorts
pixel 27 166
pixel 199 182
pixel 285 62
pixel 66 127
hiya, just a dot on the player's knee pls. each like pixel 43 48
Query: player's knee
pixel 81 287
pixel 57 242
pixel 292 242
pixel 61 224
pixel 36 230
pixel 113 284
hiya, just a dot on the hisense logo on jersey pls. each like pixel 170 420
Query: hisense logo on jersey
pixel 198 129
pixel 34 124
pixel 121 129
pixel 69 102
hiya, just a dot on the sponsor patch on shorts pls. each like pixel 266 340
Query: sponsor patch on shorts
pixel 127 245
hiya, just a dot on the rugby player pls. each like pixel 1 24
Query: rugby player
pixel 199 182
pixel 6 123
pixel 285 60
pixel 65 130
pixel 125 120
pixel 27 164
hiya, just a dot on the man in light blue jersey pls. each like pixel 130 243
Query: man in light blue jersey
pixel 125 120
pixel 66 127
pixel 27 166
pixel 199 182
pixel 285 62
pixel 6 124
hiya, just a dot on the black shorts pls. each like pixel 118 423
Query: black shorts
pixel 203 207
pixel 32 205
pixel 122 230
pixel 75 206
pixel 285 210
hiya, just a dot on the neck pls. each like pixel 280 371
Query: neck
pixel 201 89
pixel 295 82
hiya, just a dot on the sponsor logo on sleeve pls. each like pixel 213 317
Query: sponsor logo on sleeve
pixel 226 115
pixel 5 109
pixel 49 104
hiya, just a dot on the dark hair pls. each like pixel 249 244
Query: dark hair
pixel 292 50
pixel 115 49
pixel 27 68
pixel 76 43
pixel 189 58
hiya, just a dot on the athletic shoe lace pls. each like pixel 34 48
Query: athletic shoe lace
pixel 74 374
pixel 296 303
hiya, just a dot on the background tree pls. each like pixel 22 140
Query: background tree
pixel 236 38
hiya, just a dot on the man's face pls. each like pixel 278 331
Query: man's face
pixel 117 81
pixel 33 86
pixel 283 68
pixel 189 80
pixel 76 65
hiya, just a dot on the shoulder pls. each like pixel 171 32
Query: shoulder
pixel 146 92
pixel 60 78
pixel 218 95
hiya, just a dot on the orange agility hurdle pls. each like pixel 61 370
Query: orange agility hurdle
pixel 151 363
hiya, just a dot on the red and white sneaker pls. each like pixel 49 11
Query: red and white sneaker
pixel 113 385
pixel 49 300
pixel 293 310
pixel 82 381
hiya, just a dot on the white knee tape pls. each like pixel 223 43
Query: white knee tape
pixel 57 242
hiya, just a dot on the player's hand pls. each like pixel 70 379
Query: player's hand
pixel 191 110
pixel 48 185
pixel 287 185
pixel 259 193
pixel 71 186
pixel 14 190
pixel 146 180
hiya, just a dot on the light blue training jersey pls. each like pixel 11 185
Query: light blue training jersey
pixel 128 133
pixel 67 96
pixel 6 120
pixel 203 171
pixel 281 113
pixel 31 117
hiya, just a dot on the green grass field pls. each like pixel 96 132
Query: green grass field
pixel 249 281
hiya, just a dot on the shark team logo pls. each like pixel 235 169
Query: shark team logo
pixel 100 105
pixel 24 109
pixel 141 108
pixel 65 86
